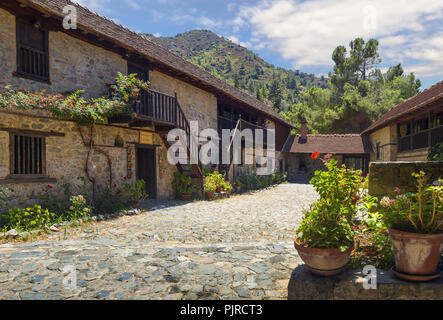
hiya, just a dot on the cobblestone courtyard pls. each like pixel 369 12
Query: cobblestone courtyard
pixel 228 249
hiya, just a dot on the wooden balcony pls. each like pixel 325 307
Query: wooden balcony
pixel 155 109
pixel 227 123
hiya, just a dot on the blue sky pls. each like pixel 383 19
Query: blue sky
pixel 299 34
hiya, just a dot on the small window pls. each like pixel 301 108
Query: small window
pixel 27 156
pixel 32 50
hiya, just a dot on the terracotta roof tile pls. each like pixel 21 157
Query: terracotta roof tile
pixel 419 100
pixel 328 143
pixel 107 28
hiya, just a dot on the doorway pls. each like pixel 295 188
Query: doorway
pixel 147 169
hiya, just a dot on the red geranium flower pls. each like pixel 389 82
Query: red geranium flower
pixel 50 187
pixel 315 155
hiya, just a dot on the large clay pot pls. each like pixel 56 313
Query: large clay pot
pixel 209 195
pixel 324 262
pixel 416 253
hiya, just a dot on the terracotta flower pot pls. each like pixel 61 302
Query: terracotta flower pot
pixel 210 195
pixel 324 262
pixel 185 196
pixel 416 253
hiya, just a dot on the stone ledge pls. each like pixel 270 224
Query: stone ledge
pixel 303 285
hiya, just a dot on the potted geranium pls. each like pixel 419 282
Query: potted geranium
pixel 210 188
pixel 414 221
pixel 325 236
pixel 183 185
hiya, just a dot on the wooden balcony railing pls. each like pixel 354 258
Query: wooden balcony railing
pixel 227 123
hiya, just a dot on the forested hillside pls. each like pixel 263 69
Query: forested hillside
pixel 241 67
pixel 355 94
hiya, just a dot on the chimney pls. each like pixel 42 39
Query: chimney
pixel 303 131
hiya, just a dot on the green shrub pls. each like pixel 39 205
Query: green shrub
pixel 54 201
pixel 210 185
pixel 29 219
pixel 134 192
pixel 182 183
pixel 420 212
pixel 78 209
pixel 329 222
pixel 109 200
pixel 435 152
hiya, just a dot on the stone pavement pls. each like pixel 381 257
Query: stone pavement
pixel 237 248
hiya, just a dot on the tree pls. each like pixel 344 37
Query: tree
pixel 276 94
pixel 355 67
pixel 394 72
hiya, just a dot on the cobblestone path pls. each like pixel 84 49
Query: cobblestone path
pixel 237 248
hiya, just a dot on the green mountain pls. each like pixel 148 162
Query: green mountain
pixel 241 67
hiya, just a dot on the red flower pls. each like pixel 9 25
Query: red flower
pixel 118 192
pixel 315 155
pixel 125 178
pixel 50 187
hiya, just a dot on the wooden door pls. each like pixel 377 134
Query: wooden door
pixel 146 169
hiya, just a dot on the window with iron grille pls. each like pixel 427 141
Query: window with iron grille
pixel 32 50
pixel 28 156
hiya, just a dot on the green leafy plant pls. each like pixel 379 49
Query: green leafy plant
pixel 329 222
pixel 74 107
pixel 79 208
pixel 436 152
pixel 209 185
pixel 227 186
pixel 109 200
pixel 373 246
pixel 29 219
pixel 134 192
pixel 420 212
pixel 56 202
pixel 182 183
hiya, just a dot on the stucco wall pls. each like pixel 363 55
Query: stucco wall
pixel 74 64
pixel 384 177
pixel 66 155
pixel 197 104
pixel 387 137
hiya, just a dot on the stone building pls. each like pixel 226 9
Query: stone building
pixel 351 150
pixel 406 131
pixel 37 150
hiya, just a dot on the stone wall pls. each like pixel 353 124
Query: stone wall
pixel 291 164
pixel 74 64
pixel 66 155
pixel 387 138
pixel 384 177
pixel 303 285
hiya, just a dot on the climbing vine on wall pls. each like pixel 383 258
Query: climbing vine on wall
pixel 75 107
pixel 85 112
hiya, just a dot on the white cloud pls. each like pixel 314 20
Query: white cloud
pixel 133 4
pixel 306 32
pixel 236 40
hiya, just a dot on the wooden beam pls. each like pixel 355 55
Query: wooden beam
pixel 33 132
